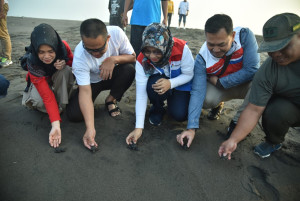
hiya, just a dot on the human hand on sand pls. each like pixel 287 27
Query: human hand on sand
pixel 227 148
pixel 134 136
pixel 89 138
pixel 55 134
pixel 106 68
pixel 59 64
pixel 189 134
pixel 161 86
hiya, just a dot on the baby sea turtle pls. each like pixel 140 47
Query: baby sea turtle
pixel 94 149
pixel 223 157
pixel 59 150
pixel 133 146
pixel 184 146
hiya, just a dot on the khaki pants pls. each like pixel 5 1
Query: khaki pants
pixel 215 95
pixel 62 86
pixel 4 36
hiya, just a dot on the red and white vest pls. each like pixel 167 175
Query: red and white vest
pixel 214 65
pixel 175 63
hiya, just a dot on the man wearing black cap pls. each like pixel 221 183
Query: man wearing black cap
pixel 275 92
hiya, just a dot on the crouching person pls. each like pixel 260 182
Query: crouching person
pixel 275 91
pixel 103 60
pixel 50 76
pixel 164 71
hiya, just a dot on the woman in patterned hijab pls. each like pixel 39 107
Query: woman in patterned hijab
pixel 159 37
pixel 164 70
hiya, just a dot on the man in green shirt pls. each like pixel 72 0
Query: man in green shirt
pixel 275 92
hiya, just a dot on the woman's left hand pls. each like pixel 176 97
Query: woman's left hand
pixel 59 64
pixel 162 86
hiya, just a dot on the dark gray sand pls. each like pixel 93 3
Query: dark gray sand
pixel 161 170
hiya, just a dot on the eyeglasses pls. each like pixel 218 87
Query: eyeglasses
pixel 155 52
pixel 95 50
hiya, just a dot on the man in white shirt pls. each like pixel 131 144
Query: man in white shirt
pixel 183 11
pixel 103 60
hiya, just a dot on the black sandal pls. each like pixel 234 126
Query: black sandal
pixel 116 109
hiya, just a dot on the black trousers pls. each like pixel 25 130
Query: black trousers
pixel 279 115
pixel 122 78
pixel 136 35
pixel 169 19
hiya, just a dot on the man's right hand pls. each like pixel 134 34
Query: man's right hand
pixel 89 138
pixel 189 134
pixel 124 19
pixel 227 148
pixel 134 136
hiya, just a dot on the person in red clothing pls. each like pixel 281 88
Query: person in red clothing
pixel 50 75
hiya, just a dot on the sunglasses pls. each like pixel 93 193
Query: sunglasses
pixel 95 50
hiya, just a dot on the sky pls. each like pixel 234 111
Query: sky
pixel 246 13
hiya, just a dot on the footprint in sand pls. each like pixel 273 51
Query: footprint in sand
pixel 259 185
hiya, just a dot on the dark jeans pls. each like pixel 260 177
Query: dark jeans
pixel 116 21
pixel 4 84
pixel 169 18
pixel 122 78
pixel 184 18
pixel 279 115
pixel 178 101
pixel 136 38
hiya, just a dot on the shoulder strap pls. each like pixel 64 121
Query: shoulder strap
pixel 225 65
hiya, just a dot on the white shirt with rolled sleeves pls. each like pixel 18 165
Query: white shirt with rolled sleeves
pixel 187 68
pixel 183 7
pixel 86 67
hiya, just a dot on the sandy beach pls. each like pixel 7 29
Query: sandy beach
pixel 160 171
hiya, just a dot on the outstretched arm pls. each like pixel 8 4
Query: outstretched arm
pixel 245 125
pixel 87 109
pixel 196 101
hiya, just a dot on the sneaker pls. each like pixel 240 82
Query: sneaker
pixel 155 116
pixel 214 113
pixel 231 127
pixel 5 62
pixel 265 149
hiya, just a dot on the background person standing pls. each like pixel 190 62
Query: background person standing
pixel 5 54
pixel 170 11
pixel 183 11
pixel 144 12
pixel 116 9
